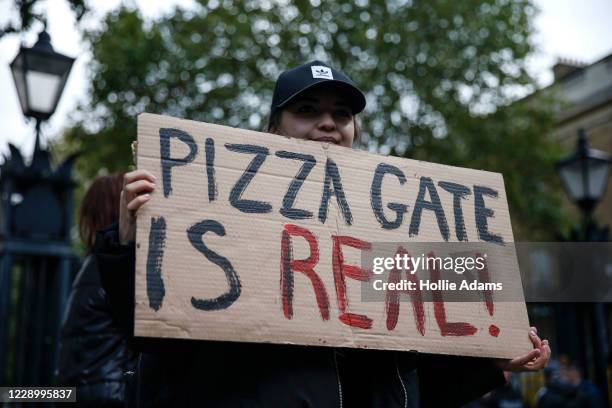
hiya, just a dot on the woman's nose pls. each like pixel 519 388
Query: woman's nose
pixel 326 122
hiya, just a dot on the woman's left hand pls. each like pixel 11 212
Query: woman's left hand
pixel 535 360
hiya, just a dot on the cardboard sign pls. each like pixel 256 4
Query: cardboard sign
pixel 254 237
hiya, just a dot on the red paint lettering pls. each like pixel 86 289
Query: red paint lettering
pixel 392 301
pixel 447 328
pixel 354 272
pixel 306 266
pixel 483 276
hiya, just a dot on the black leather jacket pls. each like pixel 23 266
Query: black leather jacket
pixel 94 352
pixel 225 374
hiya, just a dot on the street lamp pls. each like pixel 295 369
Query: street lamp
pixel 585 176
pixel 36 209
pixel 40 74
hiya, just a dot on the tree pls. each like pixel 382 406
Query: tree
pixel 439 77
pixel 27 15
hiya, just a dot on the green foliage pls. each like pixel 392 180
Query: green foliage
pixel 439 78
pixel 516 141
pixel 28 15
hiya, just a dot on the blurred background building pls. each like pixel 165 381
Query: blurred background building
pixel 581 332
pixel 585 92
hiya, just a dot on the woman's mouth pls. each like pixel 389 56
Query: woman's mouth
pixel 326 140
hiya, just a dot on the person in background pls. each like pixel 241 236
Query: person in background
pixel 94 354
pixel 506 396
pixel 586 387
pixel 565 388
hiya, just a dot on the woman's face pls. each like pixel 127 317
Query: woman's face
pixel 321 115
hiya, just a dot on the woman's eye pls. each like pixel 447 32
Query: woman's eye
pixel 305 109
pixel 345 113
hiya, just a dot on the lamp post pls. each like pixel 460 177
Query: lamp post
pixel 584 174
pixel 36 256
pixel 40 74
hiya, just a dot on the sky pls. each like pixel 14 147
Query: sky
pixel 564 28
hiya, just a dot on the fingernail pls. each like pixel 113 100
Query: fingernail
pixel 532 333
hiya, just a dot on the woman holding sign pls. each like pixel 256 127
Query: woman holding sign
pixel 318 103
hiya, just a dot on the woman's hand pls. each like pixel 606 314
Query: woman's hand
pixel 137 188
pixel 535 360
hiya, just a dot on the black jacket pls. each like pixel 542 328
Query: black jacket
pixel 94 353
pixel 225 374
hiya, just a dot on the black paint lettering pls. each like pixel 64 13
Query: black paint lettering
pixel 376 199
pixel 209 148
pixel 333 176
pixel 289 199
pixel 244 205
pixel 434 205
pixel 482 213
pixel 459 192
pixel 155 283
pixel 167 162
pixel 195 233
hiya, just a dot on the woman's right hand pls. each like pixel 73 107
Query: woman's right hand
pixel 137 188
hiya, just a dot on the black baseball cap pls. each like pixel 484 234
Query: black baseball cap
pixel 293 82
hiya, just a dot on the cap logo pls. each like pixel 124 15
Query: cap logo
pixel 319 71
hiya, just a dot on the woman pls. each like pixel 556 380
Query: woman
pixel 313 102
pixel 94 353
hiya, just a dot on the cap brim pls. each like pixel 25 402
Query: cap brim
pixel 356 98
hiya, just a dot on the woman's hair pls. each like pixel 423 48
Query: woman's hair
pixel 275 118
pixel 100 207
pixel 274 121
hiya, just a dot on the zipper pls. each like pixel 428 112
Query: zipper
pixel 401 382
pixel 138 379
pixel 340 399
